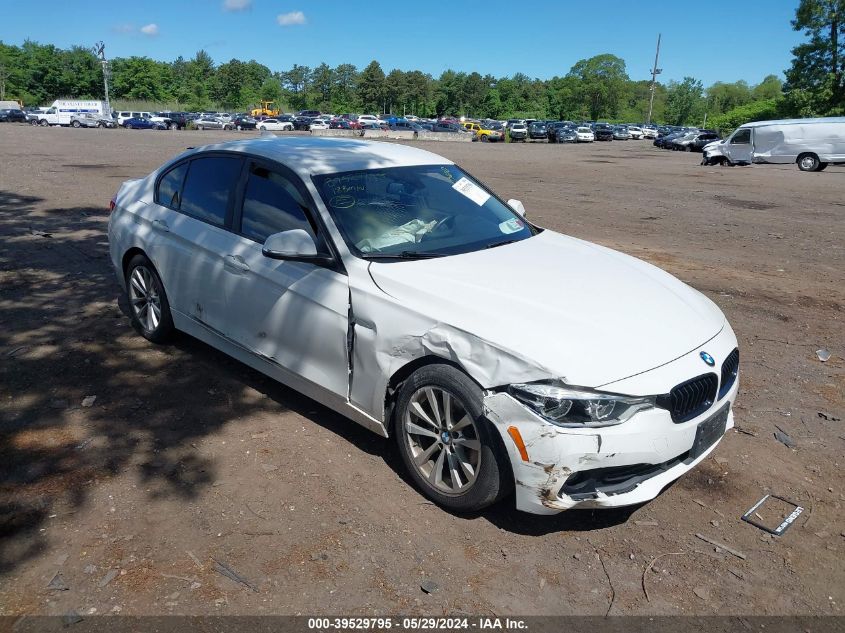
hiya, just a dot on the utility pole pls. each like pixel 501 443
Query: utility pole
pixel 654 72
pixel 100 51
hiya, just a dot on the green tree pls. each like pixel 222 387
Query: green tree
pixel 770 88
pixel 684 101
pixel 371 87
pixel 602 84
pixel 819 64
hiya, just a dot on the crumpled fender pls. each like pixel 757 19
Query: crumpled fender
pixel 387 336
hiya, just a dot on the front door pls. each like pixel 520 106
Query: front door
pixel 740 149
pixel 293 313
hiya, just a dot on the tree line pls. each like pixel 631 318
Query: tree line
pixel 597 88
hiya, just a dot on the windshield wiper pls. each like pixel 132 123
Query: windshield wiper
pixel 501 243
pixel 403 255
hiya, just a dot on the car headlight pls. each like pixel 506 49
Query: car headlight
pixel 576 407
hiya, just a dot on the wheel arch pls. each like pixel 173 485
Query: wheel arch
pixel 127 257
pixel 394 383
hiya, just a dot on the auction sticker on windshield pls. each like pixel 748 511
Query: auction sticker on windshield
pixel 471 191
pixel 511 226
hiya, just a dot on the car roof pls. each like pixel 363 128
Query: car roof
pixel 316 155
pixel 831 119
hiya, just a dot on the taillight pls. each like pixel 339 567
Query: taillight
pixel 111 205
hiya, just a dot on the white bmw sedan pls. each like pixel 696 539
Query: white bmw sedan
pixel 389 284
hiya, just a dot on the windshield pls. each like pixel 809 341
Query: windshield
pixel 422 211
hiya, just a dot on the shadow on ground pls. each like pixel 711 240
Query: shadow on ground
pixel 65 337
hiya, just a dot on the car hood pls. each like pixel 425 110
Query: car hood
pixel 576 310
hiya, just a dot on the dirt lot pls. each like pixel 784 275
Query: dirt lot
pixel 186 457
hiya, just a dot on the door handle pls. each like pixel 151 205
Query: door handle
pixel 161 225
pixel 236 264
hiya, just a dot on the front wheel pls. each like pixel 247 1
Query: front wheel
pixel 43 123
pixel 75 124
pixel 452 453
pixel 148 302
pixel 199 127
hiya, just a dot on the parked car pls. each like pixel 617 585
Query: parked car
pixel 454 128
pixel 12 115
pixel 318 124
pixel 142 123
pixel 243 122
pixel 552 128
pixel 88 119
pixel 368 118
pixel 340 124
pixel 665 141
pixel 302 123
pixel 275 125
pixel 178 120
pixel 812 144
pixel 537 130
pixel 636 132
pixel 212 123
pixel 603 131
pixel 620 133
pixel 518 132
pixel 585 135
pixel 484 134
pixel 420 299
pixel 680 143
pixel 649 132
pixel 311 114
pixel 568 134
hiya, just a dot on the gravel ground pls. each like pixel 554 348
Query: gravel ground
pixel 130 473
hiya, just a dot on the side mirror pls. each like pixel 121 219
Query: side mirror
pixel 517 206
pixel 294 245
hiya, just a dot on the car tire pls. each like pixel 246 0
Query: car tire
pixel 75 124
pixel 485 138
pixel 128 126
pixel 43 123
pixel 478 471
pixel 173 126
pixel 199 127
pixel 262 127
pixel 808 162
pixel 149 308
pixel 238 127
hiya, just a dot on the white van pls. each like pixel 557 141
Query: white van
pixel 812 144
pixel 63 110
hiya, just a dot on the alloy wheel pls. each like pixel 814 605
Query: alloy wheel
pixel 443 440
pixel 145 298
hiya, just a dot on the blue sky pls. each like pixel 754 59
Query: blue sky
pixel 712 41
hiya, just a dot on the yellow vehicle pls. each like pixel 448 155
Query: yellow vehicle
pixel 265 110
pixel 484 134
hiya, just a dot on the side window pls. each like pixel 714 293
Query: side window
pixel 272 204
pixel 208 186
pixel 169 192
pixel 743 137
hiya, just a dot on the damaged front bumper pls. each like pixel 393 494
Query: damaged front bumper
pixel 613 466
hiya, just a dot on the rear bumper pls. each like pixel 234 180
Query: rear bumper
pixel 613 466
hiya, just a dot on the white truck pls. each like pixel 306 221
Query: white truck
pixel 812 144
pixel 63 111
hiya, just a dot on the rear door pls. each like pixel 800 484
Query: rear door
pixel 293 313
pixel 194 203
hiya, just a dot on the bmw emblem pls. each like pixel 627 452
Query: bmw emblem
pixel 707 358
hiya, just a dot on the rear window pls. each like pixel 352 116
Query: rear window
pixel 169 192
pixel 208 186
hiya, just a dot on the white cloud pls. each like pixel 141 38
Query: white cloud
pixel 150 29
pixel 289 19
pixel 237 5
